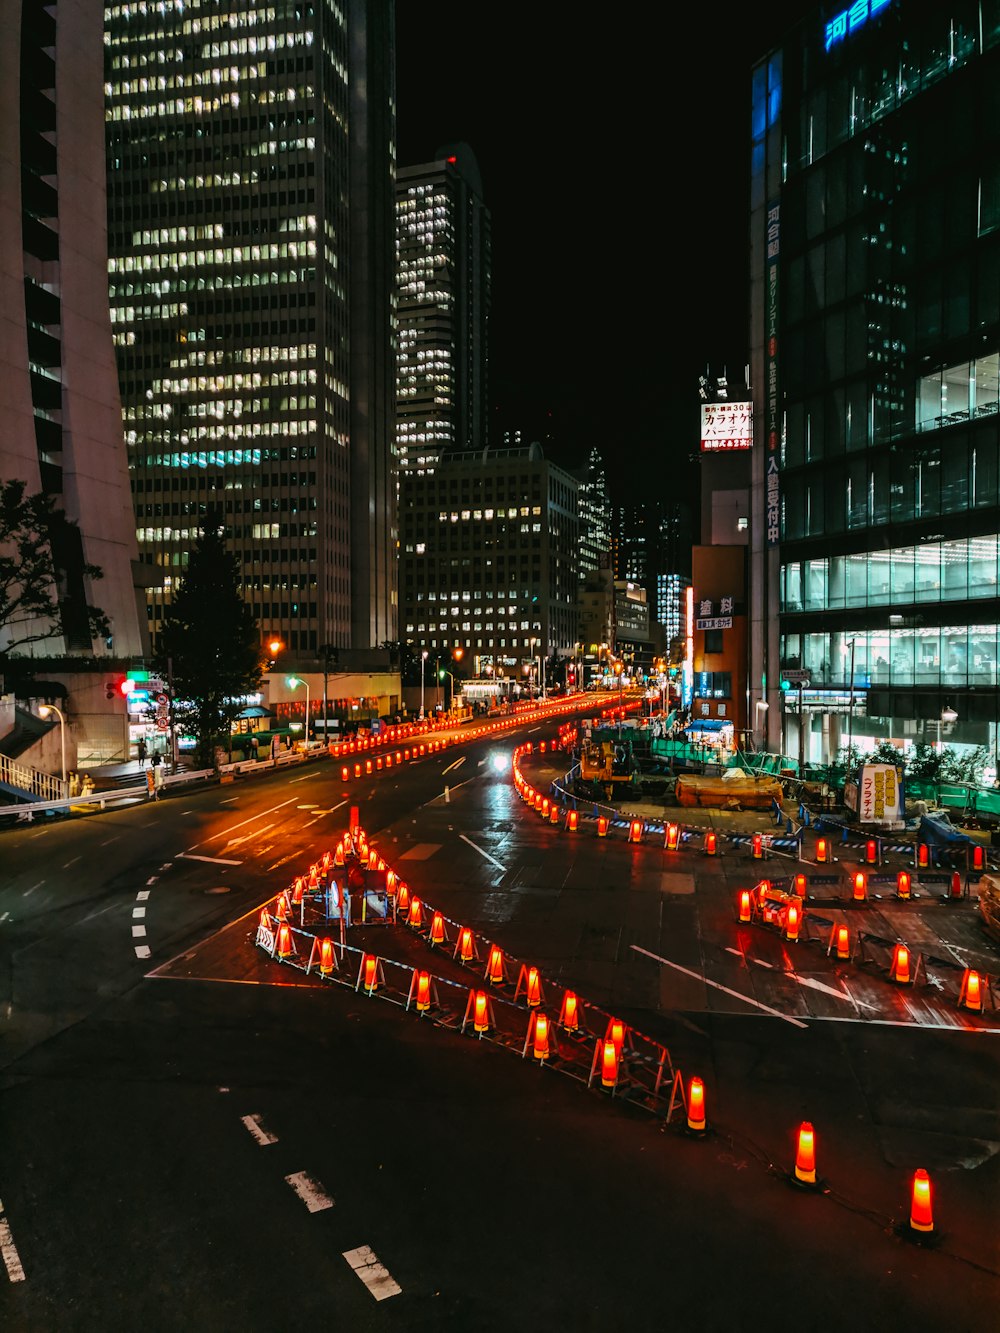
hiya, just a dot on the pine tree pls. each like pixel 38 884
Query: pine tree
pixel 210 643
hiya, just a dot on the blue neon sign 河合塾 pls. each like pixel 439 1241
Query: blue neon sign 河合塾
pixel 850 20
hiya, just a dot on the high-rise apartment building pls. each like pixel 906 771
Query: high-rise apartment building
pixel 443 270
pixel 250 176
pixel 595 515
pixel 488 558
pixel 650 542
pixel 875 335
pixel 62 427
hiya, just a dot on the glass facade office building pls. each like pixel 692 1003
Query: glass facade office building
pixel 875 332
pixel 252 277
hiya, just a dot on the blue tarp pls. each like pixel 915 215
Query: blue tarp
pixel 939 831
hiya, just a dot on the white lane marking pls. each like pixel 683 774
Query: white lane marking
pixel 216 860
pixel 138 912
pixel 107 840
pixel 274 864
pixel 310 1191
pixel 307 807
pixel 737 995
pixel 5 916
pixel 235 842
pixel 142 896
pixel 804 981
pixel 373 1274
pixel 93 916
pixel 142 951
pixel 263 1136
pixel 152 879
pixel 71 863
pixel 248 820
pixel 11 1258
pixel 138 932
pixel 228 801
pixel 166 865
pixel 485 855
pixel 953 1023
pixel 33 888
pixel 457 764
pixel 304 778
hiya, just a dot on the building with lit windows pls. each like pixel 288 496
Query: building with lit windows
pixel 252 274
pixel 595 515
pixel 443 273
pixel 875 338
pixel 488 559
pixel 62 427
pixel 652 542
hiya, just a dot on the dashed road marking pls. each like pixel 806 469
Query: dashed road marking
pixel 71 863
pixel 11 1258
pixel 310 1191
pixel 263 1136
pixel 216 860
pixel 143 951
pixel 456 764
pixel 142 896
pixel 485 855
pixel 138 932
pixel 33 888
pixel 139 912
pixel 373 1274
pixel 737 995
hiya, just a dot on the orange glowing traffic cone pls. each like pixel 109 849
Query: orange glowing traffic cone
pixel 923 856
pixel 573 820
pixel 494 965
pixel 696 1106
pixel 369 971
pixel 822 850
pixel 672 837
pixel 338 855
pixel 544 807
pixel 899 968
pixel 635 831
pixel 402 898
pixel 602 826
pixel 480 1011
pixel 903 882
pixel 792 921
pixel 871 852
pixel 540 1036
pixel 758 846
pixel 415 918
pixel 533 988
pixel 423 992
pixel 437 929
pixel 285 949
pixel 616 1033
pixel 299 888
pixel 921 1217
pixel 800 885
pixel 860 893
pixel 805 1156
pixel 978 856
pixel 609 1065
pixel 281 907
pixel 265 925
pixel 554 814
pixel 465 948
pixel 568 1013
pixel 971 994
pixel 840 940
pixel 955 890
pixel 711 843
pixel 326 957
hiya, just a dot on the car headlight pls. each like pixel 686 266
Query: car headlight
pixel 500 762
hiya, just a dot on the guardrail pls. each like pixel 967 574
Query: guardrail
pixel 25 778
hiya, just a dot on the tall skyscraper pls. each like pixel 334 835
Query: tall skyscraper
pixel 62 427
pixel 875 339
pixel 250 169
pixel 595 515
pixel 443 265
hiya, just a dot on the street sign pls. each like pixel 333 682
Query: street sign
pixel 796 677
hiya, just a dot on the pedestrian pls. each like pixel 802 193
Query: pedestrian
pixel 74 783
pixel 254 745
pixel 157 764
pixel 275 747
pixel 141 749
pixel 87 786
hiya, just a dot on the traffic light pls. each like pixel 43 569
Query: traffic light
pixel 441 673
pixel 111 688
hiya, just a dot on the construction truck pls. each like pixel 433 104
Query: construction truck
pixel 606 763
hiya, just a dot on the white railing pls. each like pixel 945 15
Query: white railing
pixel 43 786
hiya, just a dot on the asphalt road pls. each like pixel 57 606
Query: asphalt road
pixel 193 1135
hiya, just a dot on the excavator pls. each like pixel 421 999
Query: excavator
pixel 607 763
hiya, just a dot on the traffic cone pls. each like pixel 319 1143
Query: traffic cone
pixel 282 910
pixel 573 820
pixel 480 1012
pixel 899 968
pixel 285 948
pixel 840 940
pixel 345 773
pixel 554 813
pixel 903 884
pixel 822 850
pixel 540 1036
pixel 971 994
pixel 616 1033
pixel 978 857
pixel 370 972
pixel 609 1065
pixel 602 826
pixel 921 1217
pixel 533 988
pixel 635 831
pixel 494 965
pixel 955 890
pixel 800 885
pixel 745 910
pixel 390 883
pixel 326 963
pixel 711 843
pixel 792 921
pixel 423 992
pixel 437 929
pixel 758 846
pixel 860 887
pixel 544 807
pixel 415 918
pixel 871 852
pixel 568 1013
pixel 696 1106
pixel 923 856
pixel 672 838
pixel 805 1156
pixel 338 855
pixel 465 947
pixel 266 922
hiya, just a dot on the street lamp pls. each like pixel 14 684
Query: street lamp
pixel 43 711
pixel 292 682
pixel 423 663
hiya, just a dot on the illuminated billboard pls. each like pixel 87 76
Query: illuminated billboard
pixel 726 426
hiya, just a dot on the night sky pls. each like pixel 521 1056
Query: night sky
pixel 615 166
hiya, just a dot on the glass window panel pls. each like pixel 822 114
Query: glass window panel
pixel 857 493
pixel 902 656
pixel 794 441
pixel 816 657
pixel 836 412
pixel 928 496
pixel 793 588
pixel 878 645
pixel 955 474
pixel 954 656
pixel 983 566
pixel 834 499
pixel 836 263
pixel 793 507
pixel 927 670
pixel 986 384
pixel 857 580
pixel 956 383
pixel 814 585
pixel 984 470
pixel 836 589
pixel 879 567
pixel 901 576
pixel 930 390
pixel 955 569
pixel 929 316
pixel 982 664
pixel 878 491
pixel 856 395
pixel 815 293
pixel 927 564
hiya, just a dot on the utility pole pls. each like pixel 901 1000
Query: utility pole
pixel 170 706
pixel 850 711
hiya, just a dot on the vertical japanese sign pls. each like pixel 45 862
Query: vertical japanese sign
pixel 879 796
pixel 772 481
